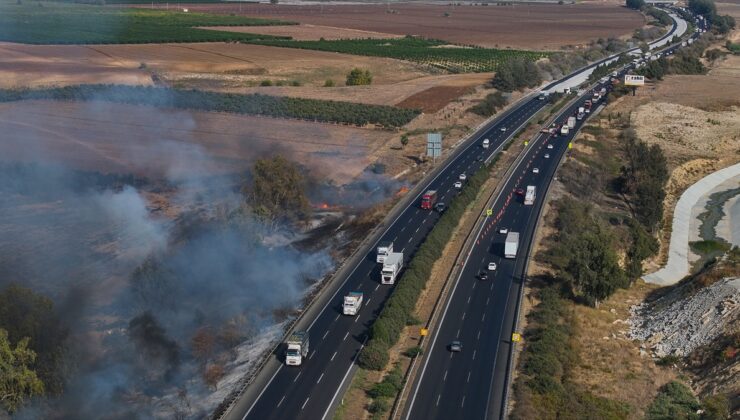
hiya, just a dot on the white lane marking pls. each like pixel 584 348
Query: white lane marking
pixel 445 377
pixel 483 318
pixel 345 336
pixel 304 403
pixel 487 300
pixel 369 299
pixel 417 229
pixel 458 333
pixel 325 334
pixel 491 286
pixel 376 288
pixel 403 228
pixel 281 401
pixel 312 353
pixel 474 351
pixel 468 377
pixel 296 377
pixel 463 317
pixel 468 299
pixel 410 239
pixel 320 378
pixel 438 397
pixel 478 335
pixel 336 318
pixel 333 356
pixel 356 318
pixel 463 402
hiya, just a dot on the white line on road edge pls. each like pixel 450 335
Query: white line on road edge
pixel 331 403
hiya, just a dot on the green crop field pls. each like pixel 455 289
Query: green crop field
pixel 251 104
pixel 61 23
pixel 440 54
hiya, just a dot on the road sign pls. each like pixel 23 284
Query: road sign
pixel 423 332
pixel 434 145
pixel 570 145
pixel 526 143
pixel 634 80
pixel 489 212
pixel 516 337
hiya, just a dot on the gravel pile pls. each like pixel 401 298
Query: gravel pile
pixel 676 324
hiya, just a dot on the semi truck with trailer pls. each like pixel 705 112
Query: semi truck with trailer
pixel 511 244
pixel 529 196
pixel 352 303
pixel 428 199
pixel 297 348
pixel 391 267
pixel 384 248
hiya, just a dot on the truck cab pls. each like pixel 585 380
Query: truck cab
pixel 428 199
pixel 297 348
pixel 352 303
pixel 383 250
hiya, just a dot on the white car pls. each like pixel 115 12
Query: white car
pixel 503 129
pixel 503 230
pixel 462 177
pixel 491 266
pixel 549 146
pixel 547 156
pixel 457 185
pixel 535 170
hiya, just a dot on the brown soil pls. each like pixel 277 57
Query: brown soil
pixel 613 366
pixel 434 98
pixel 224 64
pixel 729 8
pixel 155 142
pixel 306 32
pixel 527 26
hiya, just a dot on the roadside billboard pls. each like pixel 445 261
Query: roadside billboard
pixel 634 80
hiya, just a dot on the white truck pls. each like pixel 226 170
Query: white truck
pixel 384 249
pixel 571 122
pixel 581 110
pixel 529 196
pixel 511 244
pixel 391 267
pixel 352 303
pixel 297 348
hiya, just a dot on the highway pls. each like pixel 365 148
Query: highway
pixel 472 383
pixel 306 392
pixel 312 389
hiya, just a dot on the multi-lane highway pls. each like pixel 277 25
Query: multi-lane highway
pixel 480 314
pixel 311 390
pixel 306 392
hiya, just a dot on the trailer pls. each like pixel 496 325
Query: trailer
pixel 529 196
pixel 428 199
pixel 352 303
pixel 391 268
pixel 511 245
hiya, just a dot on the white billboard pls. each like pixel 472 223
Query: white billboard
pixel 634 80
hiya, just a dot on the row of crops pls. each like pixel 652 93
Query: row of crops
pixel 59 23
pixel 452 58
pixel 251 104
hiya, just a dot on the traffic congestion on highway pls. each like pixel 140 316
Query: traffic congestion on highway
pixel 465 371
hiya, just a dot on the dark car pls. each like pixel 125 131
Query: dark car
pixel 480 159
pixel 455 346
pixel 519 191
pixel 440 207
pixel 483 275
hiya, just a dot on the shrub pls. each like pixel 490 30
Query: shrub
pixel 358 77
pixel 382 389
pixel 329 83
pixel 379 406
pixel 413 351
pixel 635 4
pixel 490 105
pixel 374 356
pixel 266 82
pixel 674 401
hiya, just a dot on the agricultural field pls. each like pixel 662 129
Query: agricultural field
pixel 518 26
pixel 435 53
pixel 122 138
pixel 57 23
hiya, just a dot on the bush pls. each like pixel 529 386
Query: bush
pixel 382 389
pixel 374 356
pixel 358 77
pixel 329 83
pixel 516 74
pixel 490 105
pixel 674 401
pixel 635 4
pixel 379 406
pixel 413 352
pixel 266 83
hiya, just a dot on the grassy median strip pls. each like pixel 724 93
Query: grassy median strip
pixel 60 23
pixel 250 104
pixel 399 309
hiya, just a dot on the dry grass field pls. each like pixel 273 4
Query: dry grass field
pixel 123 138
pixel 527 26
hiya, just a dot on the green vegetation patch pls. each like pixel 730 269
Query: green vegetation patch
pixel 59 23
pixel 252 104
pixel 436 53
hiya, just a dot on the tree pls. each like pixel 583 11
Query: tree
pixel 278 190
pixel 404 140
pixel 25 314
pixel 358 77
pixel 213 374
pixel 203 343
pixel 17 381
pixel 635 4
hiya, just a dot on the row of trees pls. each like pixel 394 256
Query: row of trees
pixel 489 105
pixel 252 104
pixel 399 309
pixel 516 74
